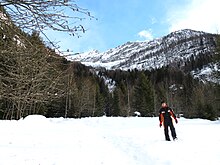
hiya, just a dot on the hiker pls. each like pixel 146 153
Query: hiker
pixel 166 117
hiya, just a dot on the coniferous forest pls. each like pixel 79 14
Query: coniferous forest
pixel 34 79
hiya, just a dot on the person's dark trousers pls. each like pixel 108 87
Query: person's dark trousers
pixel 166 130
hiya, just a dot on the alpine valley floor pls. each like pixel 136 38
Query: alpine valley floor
pixel 36 140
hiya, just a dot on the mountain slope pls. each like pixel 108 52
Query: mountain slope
pixel 174 49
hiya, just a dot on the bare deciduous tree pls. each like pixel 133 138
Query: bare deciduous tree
pixel 86 96
pixel 70 89
pixel 27 79
pixel 40 15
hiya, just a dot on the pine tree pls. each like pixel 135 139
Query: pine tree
pixel 100 102
pixel 143 96
pixel 116 102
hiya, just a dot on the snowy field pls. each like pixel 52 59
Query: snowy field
pixel 36 140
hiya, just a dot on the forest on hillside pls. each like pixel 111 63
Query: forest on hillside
pixel 34 79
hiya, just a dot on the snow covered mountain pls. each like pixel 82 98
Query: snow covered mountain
pixel 174 49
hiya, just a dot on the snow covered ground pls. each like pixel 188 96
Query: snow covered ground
pixel 37 140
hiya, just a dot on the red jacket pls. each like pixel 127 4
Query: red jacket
pixel 165 116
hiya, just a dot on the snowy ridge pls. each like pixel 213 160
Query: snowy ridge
pixel 3 16
pixel 4 19
pixel 208 73
pixel 173 49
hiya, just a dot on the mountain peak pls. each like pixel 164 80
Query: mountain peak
pixel 188 32
pixel 173 49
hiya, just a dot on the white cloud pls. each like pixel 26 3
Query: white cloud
pixel 147 34
pixel 197 15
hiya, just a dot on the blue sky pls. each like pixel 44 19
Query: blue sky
pixel 120 21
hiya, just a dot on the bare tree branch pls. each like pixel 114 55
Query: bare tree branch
pixel 40 15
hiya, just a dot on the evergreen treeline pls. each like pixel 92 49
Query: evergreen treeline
pixel 145 90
